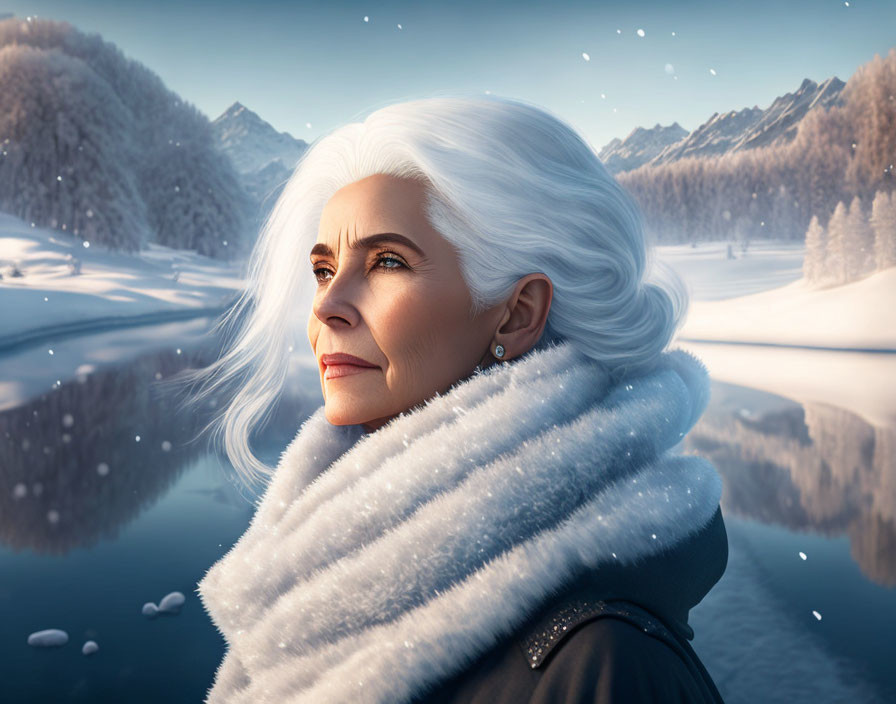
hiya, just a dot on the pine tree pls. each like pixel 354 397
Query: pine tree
pixel 859 242
pixel 835 271
pixel 883 223
pixel 813 261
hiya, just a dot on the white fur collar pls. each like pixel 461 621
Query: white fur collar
pixel 377 564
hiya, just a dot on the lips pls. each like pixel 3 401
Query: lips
pixel 343 358
pixel 341 364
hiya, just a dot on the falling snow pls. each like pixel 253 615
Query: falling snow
pixel 640 32
pixel 585 56
pixel 802 555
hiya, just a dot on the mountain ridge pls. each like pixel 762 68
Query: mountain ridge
pixel 734 130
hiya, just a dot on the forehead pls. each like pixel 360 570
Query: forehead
pixel 375 201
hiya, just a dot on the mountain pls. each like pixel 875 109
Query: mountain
pixel 723 133
pixel 263 157
pixel 641 145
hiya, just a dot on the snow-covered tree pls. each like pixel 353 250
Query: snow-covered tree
pixel 883 223
pixel 95 144
pixel 813 262
pixel 835 271
pixel 859 242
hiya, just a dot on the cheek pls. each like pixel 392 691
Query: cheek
pixel 420 328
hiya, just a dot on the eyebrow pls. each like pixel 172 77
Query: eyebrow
pixel 368 242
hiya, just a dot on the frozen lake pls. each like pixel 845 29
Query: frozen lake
pixel 95 523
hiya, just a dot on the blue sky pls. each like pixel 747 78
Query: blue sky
pixel 321 64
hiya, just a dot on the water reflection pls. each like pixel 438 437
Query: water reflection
pixel 82 461
pixel 808 466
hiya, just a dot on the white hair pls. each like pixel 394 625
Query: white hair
pixel 515 189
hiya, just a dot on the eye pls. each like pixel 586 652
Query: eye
pixel 389 261
pixel 319 272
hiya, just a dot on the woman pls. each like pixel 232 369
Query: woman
pixel 486 508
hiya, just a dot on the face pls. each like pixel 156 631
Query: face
pixel 390 293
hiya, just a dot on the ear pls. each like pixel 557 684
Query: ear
pixel 525 316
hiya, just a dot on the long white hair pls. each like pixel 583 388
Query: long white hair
pixel 514 188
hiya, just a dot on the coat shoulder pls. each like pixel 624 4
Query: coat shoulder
pixel 610 659
pixel 607 653
pixel 547 633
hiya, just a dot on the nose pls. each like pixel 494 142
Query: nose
pixel 335 305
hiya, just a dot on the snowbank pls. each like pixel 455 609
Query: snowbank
pixel 864 384
pixel 112 289
pixel 857 316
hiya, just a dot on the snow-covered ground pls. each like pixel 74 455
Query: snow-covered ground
pixel 711 276
pixel 862 383
pixel 759 298
pixel 112 289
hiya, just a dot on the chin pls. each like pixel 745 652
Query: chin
pixel 348 412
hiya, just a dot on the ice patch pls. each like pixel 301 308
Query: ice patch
pixel 172 602
pixel 48 638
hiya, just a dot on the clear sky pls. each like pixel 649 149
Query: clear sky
pixel 320 64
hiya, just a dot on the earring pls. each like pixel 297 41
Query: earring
pixel 499 351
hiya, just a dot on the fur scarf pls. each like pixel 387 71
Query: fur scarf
pixel 378 564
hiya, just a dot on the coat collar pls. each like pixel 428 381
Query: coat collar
pixel 378 564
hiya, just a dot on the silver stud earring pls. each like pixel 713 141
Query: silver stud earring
pixel 499 351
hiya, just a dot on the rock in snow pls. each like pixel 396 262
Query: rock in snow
pixel 48 638
pixel 172 602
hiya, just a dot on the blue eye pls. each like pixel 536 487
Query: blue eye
pixel 396 263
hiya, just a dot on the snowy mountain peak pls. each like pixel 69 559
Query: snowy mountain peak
pixel 640 146
pixel 725 132
pixel 252 143
pixel 232 111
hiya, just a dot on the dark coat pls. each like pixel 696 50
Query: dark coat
pixel 618 635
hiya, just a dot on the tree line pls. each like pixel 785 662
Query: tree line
pixel 854 244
